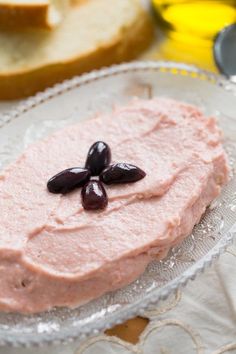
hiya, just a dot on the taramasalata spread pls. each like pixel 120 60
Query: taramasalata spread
pixel 53 252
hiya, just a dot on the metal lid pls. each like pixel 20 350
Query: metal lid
pixel 225 50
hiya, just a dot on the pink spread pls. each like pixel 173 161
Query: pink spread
pixel 54 253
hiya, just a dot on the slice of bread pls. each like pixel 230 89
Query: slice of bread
pixel 18 14
pixel 94 34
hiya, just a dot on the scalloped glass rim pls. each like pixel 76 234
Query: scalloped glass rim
pixel 154 295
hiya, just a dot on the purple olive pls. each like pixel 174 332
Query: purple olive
pixel 68 180
pixel 121 173
pixel 99 157
pixel 94 196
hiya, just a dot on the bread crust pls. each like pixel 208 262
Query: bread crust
pixel 131 41
pixel 18 16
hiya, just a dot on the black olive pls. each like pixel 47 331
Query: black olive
pixel 99 157
pixel 121 173
pixel 94 196
pixel 69 179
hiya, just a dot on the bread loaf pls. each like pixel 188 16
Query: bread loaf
pixel 94 33
pixel 18 14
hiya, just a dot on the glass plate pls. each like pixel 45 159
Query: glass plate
pixel 79 99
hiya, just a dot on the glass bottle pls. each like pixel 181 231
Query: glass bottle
pixel 190 27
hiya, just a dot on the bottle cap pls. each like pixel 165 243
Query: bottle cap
pixel 225 50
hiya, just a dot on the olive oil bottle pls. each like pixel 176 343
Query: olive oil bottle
pixel 190 27
pixel 195 20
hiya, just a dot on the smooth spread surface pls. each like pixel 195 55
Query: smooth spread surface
pixel 52 252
